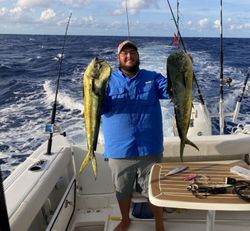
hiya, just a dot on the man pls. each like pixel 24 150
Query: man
pixel 132 125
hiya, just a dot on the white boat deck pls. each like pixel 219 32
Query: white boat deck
pixel 107 214
pixel 107 219
pixel 49 201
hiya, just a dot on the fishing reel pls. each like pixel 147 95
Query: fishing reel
pixel 202 191
pixel 239 187
pixel 52 128
pixel 228 81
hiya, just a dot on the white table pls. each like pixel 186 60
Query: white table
pixel 171 191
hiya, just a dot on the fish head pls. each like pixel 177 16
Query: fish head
pixel 98 73
pixel 94 68
pixel 98 69
pixel 179 68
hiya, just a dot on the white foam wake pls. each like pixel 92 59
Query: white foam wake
pixel 62 98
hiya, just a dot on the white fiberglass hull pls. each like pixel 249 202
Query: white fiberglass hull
pixel 56 197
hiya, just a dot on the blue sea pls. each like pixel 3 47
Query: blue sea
pixel 29 66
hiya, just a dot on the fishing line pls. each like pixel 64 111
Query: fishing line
pixel 127 19
pixel 53 115
pixel 178 17
pixel 238 104
pixel 244 86
pixel 221 53
pixel 177 27
pixel 184 48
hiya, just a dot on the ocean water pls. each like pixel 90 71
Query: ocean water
pixel 29 70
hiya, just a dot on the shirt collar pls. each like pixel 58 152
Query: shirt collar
pixel 124 75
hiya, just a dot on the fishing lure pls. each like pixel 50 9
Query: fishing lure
pixel 176 170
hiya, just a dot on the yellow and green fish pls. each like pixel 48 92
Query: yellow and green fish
pixel 180 80
pixel 95 81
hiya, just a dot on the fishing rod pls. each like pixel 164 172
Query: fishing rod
pixel 184 48
pixel 4 221
pixel 238 104
pixel 221 103
pixel 127 19
pixel 177 27
pixel 53 115
pixel 178 17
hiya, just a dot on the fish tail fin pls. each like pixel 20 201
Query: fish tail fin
pixel 187 141
pixel 182 150
pixel 94 166
pixel 85 161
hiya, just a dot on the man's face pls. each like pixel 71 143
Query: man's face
pixel 129 59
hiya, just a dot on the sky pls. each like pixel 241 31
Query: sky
pixel 198 18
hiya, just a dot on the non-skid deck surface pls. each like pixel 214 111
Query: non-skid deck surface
pixel 189 220
pixel 171 191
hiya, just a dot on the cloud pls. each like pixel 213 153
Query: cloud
pixel 76 3
pixel 47 15
pixel 12 14
pixel 240 27
pixel 247 25
pixel 134 6
pixel 234 27
pixel 3 11
pixel 216 24
pixel 203 23
pixel 32 3
pixel 87 20
pixel 78 22
pixel 118 12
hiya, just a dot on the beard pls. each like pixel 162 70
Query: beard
pixel 130 69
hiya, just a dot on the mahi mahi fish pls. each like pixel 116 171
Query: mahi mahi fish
pixel 95 82
pixel 180 77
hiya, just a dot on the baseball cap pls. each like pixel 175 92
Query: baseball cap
pixel 124 44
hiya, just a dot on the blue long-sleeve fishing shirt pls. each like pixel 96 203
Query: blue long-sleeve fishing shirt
pixel 132 119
